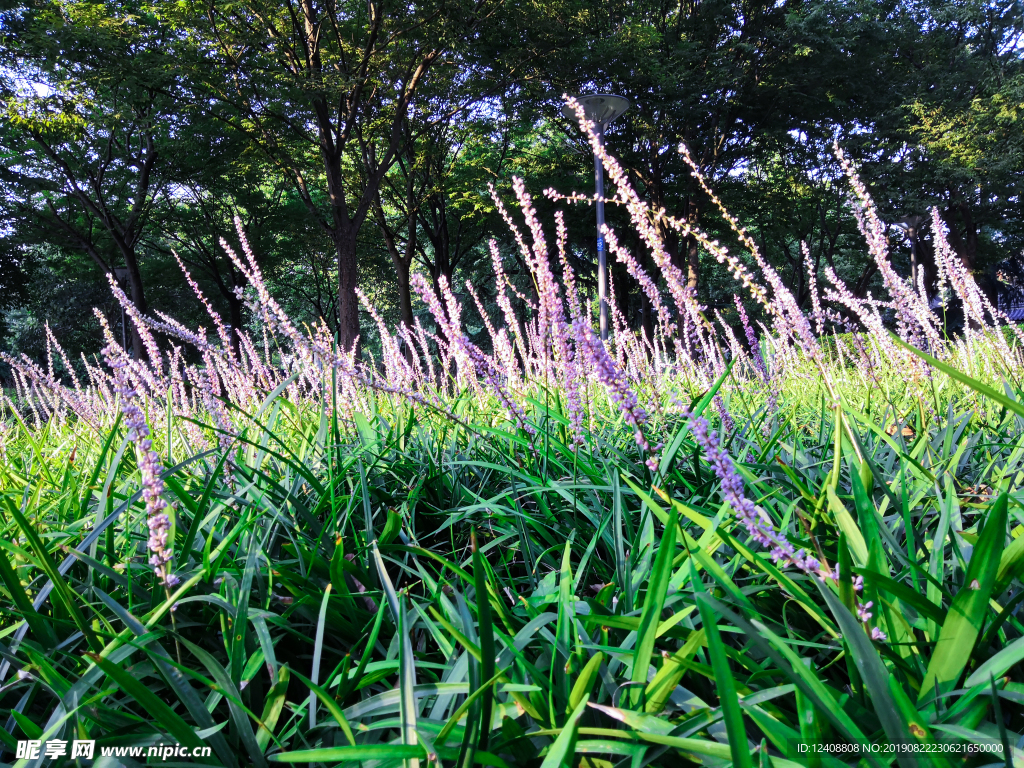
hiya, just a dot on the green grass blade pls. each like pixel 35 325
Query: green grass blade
pixel 654 604
pixel 239 716
pixel 153 706
pixel 963 378
pixel 318 645
pixel 725 685
pixel 485 631
pixel 407 681
pixel 40 627
pixel 60 586
pixel 875 677
pixel 581 690
pixel 564 748
pixel 329 704
pixel 970 605
pixel 350 754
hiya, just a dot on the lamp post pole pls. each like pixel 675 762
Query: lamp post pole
pixel 602 254
pixel 600 109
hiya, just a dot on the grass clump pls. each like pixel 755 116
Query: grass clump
pixel 652 551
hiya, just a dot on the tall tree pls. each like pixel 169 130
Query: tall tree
pixel 204 210
pixel 323 89
pixel 724 77
pixel 91 100
pixel 435 206
pixel 946 127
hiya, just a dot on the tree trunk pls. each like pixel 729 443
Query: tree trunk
pixel 404 292
pixel 692 252
pixel 860 288
pixel 647 317
pixel 965 244
pixel 687 261
pixel 404 304
pixel 137 296
pixel 348 302
pixel 622 292
pixel 402 262
pixel 647 311
pixel 235 315
pixel 442 260
pixel 675 248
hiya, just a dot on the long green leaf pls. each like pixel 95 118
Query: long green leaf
pixel 726 685
pixel 157 710
pixel 967 612
pixel 654 604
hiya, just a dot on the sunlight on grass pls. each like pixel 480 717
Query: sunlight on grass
pixel 553 551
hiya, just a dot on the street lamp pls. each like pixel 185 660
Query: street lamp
pixel 121 274
pixel 911 227
pixel 600 109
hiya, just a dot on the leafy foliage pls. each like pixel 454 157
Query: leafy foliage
pixel 407 567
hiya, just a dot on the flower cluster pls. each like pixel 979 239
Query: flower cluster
pixel 754 520
pixel 542 341
pixel 916 322
pixel 641 217
pixel 863 609
pixel 159 523
pixel 618 388
pixel 472 359
pixel 754 344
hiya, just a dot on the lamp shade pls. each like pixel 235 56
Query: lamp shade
pixel 599 107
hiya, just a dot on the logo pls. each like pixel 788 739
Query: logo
pixel 54 748
pixel 36 749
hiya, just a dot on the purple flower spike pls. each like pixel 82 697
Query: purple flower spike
pixel 149 467
pixel 755 346
pixel 615 382
pixel 757 523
